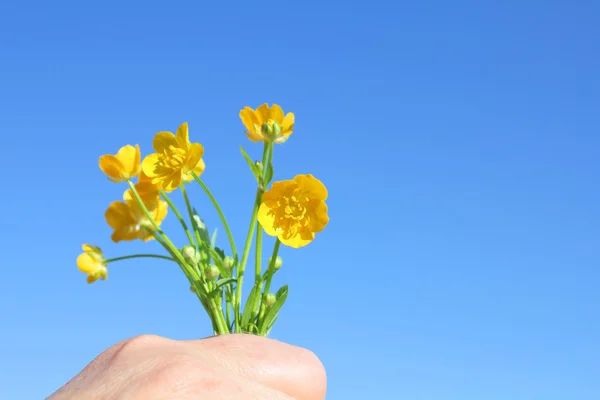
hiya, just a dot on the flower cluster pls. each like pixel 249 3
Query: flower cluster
pixel 292 211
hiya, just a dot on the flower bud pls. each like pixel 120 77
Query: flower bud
pixel 271 130
pixel 228 263
pixel 278 263
pixel 211 272
pixel 259 167
pixel 269 300
pixel 190 255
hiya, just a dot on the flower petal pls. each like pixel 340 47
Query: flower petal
pixel 129 157
pixel 162 141
pixel 112 167
pixel 318 217
pixel 86 263
pixel 151 166
pixel 262 114
pixel 118 215
pixel 276 114
pixel 182 136
pixel 299 240
pixel 172 181
pixel 288 123
pixel 311 186
pixel 267 220
pixel 249 118
pixel 195 153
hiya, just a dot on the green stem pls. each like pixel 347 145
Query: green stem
pixel 221 215
pixel 271 268
pixel 139 256
pixel 242 265
pixel 179 217
pixel 191 214
pixel 258 252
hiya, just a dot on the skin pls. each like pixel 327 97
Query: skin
pixel 224 367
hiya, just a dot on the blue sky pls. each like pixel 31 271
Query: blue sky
pixel 458 140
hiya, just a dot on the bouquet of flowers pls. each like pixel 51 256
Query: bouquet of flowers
pixel 293 211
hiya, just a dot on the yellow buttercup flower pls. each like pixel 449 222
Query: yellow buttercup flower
pixel 122 166
pixel 267 124
pixel 294 210
pixel 92 263
pixel 174 160
pixel 128 219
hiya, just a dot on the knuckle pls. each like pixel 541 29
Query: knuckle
pixel 134 345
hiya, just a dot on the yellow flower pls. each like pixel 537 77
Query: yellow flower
pixel 92 263
pixel 174 160
pixel 122 166
pixel 294 210
pixel 128 219
pixel 267 124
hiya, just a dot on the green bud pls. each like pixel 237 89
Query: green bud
pixel 259 167
pixel 278 263
pixel 190 254
pixel 276 130
pixel 269 300
pixel 228 263
pixel 211 272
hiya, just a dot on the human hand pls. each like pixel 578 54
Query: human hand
pixel 223 367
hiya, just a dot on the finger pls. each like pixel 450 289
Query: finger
pixel 292 370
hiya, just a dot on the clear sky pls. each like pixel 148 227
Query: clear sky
pixel 459 141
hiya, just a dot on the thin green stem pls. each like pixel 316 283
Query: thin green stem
pixel 191 214
pixel 253 221
pixel 258 253
pixel 221 215
pixel 139 256
pixel 179 217
pixel 271 268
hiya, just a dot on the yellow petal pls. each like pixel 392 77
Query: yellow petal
pixel 195 153
pixel 199 169
pixel 86 263
pixel 267 220
pixel 162 141
pixel 288 123
pixel 88 248
pixel 311 186
pixel 299 240
pixel 112 167
pixel 129 157
pixel 318 217
pixel 254 137
pixel 250 119
pixel 183 138
pixel 151 166
pixel 124 234
pixel 172 181
pixel 118 215
pixel 276 114
pixel 262 114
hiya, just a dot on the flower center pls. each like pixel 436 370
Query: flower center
pixel 173 157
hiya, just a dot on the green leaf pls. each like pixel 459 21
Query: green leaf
pixel 273 312
pixel 213 240
pixel 268 330
pixel 220 252
pixel 251 307
pixel 201 227
pixel 255 172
